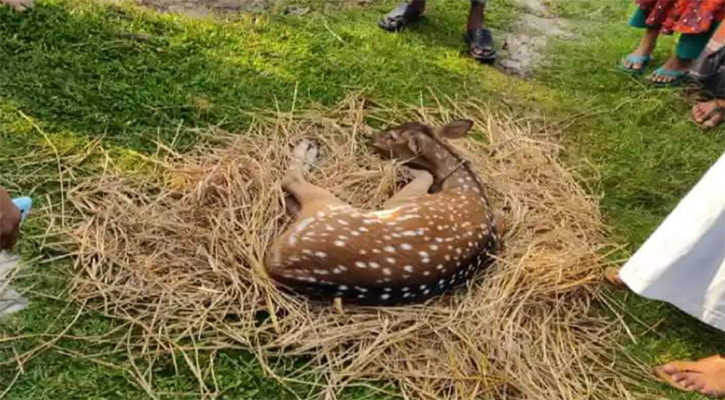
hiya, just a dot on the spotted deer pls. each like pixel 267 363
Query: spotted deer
pixel 418 246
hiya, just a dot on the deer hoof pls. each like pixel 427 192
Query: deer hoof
pixel 306 152
pixel 338 306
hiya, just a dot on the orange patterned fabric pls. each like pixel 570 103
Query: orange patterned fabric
pixel 684 16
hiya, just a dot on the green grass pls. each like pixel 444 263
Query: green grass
pixel 71 69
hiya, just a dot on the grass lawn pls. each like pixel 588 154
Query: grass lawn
pixel 70 73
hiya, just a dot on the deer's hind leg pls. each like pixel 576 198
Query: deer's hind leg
pixel 307 199
pixel 419 186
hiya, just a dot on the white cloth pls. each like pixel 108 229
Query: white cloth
pixel 683 262
pixel 10 300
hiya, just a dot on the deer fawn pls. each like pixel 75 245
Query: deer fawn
pixel 418 246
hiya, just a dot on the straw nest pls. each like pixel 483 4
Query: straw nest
pixel 178 253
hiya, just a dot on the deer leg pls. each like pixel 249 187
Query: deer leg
pixel 307 199
pixel 419 186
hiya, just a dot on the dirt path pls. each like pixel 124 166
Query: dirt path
pixel 524 47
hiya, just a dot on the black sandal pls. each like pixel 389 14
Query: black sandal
pixel 480 43
pixel 399 18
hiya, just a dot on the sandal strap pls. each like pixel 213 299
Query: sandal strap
pixel 670 72
pixel 638 59
pixel 402 11
pixel 480 35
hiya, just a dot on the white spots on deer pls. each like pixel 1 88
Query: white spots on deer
pixel 418 249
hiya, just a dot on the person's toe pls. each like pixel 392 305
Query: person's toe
pixel 680 378
pixel 714 121
pixel 670 369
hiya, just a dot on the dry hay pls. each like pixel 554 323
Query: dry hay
pixel 178 253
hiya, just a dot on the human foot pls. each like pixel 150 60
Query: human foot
pixel 403 15
pixel 708 114
pixel 706 376
pixel 637 60
pixel 672 72
pixel 612 276
pixel 20 5
pixel 480 45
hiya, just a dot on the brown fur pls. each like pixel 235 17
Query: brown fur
pixel 419 246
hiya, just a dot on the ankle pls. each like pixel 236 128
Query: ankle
pixel 677 63
pixel 418 5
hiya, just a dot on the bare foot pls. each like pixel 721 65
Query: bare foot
pixel 612 276
pixel 674 65
pixel 20 5
pixel 706 376
pixel 708 114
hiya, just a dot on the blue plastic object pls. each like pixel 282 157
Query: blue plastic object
pixel 24 204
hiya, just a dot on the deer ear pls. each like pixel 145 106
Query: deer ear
pixel 454 130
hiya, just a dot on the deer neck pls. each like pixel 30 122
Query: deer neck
pixel 452 172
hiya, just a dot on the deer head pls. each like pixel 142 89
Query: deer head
pixel 420 145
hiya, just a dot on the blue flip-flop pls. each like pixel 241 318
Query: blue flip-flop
pixel 679 77
pixel 643 60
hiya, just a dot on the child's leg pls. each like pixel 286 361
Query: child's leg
pixel 689 48
pixel 480 40
pixel 646 45
pixel 476 17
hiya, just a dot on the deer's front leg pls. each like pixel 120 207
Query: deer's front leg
pixel 310 199
pixel 419 186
